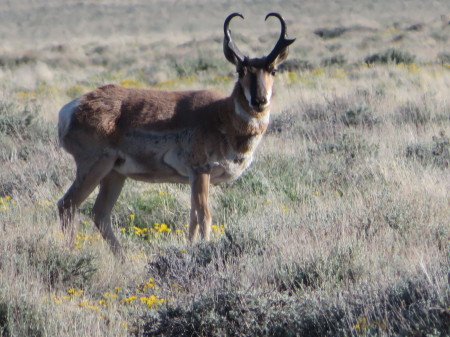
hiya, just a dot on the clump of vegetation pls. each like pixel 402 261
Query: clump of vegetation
pixel 435 153
pixel 339 267
pixel 11 61
pixel 22 123
pixel 322 121
pixel 240 197
pixel 391 55
pixel 237 313
pixel 57 267
pixel 194 66
pixel 3 319
pixel 335 60
pixel 195 263
pixel 24 137
pixel 157 206
pixel 295 65
pixel 413 113
pixel 359 116
pixel 330 33
pixel 32 324
pixel 444 58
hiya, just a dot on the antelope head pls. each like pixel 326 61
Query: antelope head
pixel 256 74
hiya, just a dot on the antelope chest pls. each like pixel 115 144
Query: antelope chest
pixel 233 163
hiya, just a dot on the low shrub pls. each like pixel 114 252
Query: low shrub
pixel 391 55
pixel 335 60
pixel 330 33
pixel 435 153
pixel 59 267
pixel 407 308
pixel 295 65
pixel 20 319
pixel 173 264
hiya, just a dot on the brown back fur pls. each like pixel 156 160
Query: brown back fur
pixel 112 110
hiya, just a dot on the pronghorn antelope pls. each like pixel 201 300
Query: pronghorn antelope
pixel 192 137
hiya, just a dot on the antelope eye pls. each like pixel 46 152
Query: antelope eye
pixel 273 72
pixel 241 72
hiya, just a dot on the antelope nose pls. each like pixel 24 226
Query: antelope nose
pixel 259 101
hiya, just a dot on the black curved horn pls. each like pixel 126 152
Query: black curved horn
pixel 283 43
pixel 231 51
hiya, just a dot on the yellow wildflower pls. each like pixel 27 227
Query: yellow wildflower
pixel 164 228
pixel 161 228
pixel 219 230
pixel 75 292
pixel 151 283
pixel 93 307
pixel 130 299
pixel 362 325
pixel 57 299
pixel 318 71
pixel 139 231
pixel 152 301
pixel 109 295
pixel 83 303
pixel 131 83
pixel 103 302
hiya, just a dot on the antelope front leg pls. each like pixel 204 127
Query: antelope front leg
pixel 200 215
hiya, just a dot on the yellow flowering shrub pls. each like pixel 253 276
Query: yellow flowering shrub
pixel 6 202
pixel 152 301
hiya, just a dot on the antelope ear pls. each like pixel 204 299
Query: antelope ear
pixel 281 57
pixel 281 50
pixel 230 50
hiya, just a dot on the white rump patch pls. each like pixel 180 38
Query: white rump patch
pixel 65 118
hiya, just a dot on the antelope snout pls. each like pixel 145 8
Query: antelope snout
pixel 259 103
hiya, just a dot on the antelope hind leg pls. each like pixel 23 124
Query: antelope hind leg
pixel 85 182
pixel 110 188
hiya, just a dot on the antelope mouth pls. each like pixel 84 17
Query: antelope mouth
pixel 259 108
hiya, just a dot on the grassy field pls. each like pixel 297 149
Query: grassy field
pixel 339 228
